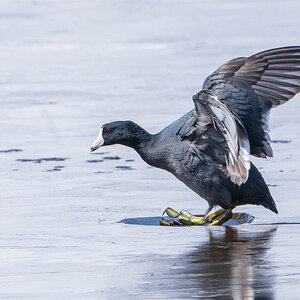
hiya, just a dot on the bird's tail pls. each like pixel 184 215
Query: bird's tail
pixel 269 203
pixel 260 192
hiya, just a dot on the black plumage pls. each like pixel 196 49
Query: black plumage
pixel 251 86
pixel 208 148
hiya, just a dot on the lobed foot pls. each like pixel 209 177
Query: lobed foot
pixel 226 216
pixel 187 219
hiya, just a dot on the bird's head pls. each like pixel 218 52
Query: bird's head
pixel 120 132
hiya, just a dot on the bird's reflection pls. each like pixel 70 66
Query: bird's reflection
pixel 232 265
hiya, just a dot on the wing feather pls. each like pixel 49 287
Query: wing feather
pixel 276 64
pixel 210 110
pixel 252 86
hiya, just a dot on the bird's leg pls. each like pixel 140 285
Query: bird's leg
pixel 208 217
pixel 210 207
pixel 173 214
pixel 214 215
pixel 227 215
pixel 186 218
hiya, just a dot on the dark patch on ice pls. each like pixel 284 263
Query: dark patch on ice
pixel 112 157
pixel 52 170
pixel 11 150
pixel 124 167
pixel 129 160
pixel 94 160
pixel 272 185
pixel 99 153
pixel 39 160
pixel 281 141
pixel 54 158
pixel 56 168
pixel 15 169
pixel 102 172
pixel 281 171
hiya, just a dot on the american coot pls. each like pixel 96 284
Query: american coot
pixel 208 148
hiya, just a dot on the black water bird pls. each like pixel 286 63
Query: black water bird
pixel 208 148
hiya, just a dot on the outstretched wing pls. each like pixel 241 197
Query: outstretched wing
pixel 252 86
pixel 217 133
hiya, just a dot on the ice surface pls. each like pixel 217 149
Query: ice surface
pixel 66 68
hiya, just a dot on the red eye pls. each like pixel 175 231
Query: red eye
pixel 108 131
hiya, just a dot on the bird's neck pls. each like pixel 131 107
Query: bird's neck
pixel 153 152
pixel 136 137
pixel 147 145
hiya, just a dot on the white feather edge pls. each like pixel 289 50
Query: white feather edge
pixel 238 158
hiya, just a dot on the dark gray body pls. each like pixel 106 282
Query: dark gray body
pixel 167 150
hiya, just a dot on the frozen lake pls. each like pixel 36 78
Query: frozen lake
pixel 66 68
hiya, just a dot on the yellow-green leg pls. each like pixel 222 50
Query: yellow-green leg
pixel 186 218
pixel 215 214
pixel 227 215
